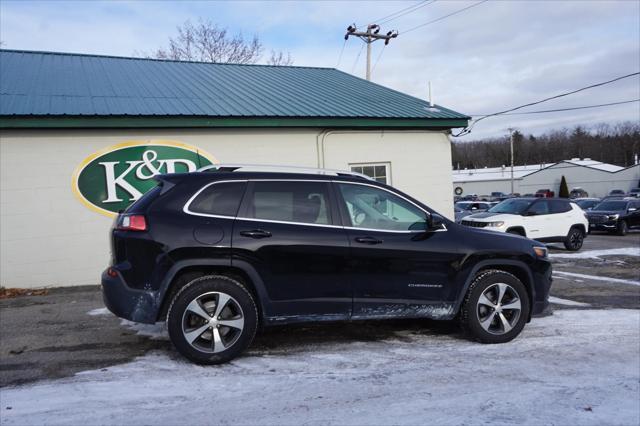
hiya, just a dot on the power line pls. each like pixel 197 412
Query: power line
pixel 468 129
pixel 564 109
pixel 403 12
pixel 378 59
pixel 443 17
pixel 341 52
pixel 357 57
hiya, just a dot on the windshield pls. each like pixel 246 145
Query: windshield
pixel 611 205
pixel 585 204
pixel 512 206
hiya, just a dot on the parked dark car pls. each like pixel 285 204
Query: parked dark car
pixel 617 193
pixel 578 193
pixel 615 215
pixel 466 208
pixel 587 203
pixel 220 252
pixel 635 192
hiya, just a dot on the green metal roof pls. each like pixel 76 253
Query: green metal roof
pixel 46 89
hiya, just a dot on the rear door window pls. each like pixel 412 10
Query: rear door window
pixel 559 206
pixel 290 201
pixel 540 207
pixel 219 199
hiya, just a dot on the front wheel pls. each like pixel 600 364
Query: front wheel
pixel 495 308
pixel 622 228
pixel 574 239
pixel 212 319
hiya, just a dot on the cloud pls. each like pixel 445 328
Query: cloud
pixel 497 55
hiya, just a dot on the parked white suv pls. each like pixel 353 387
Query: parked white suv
pixel 542 219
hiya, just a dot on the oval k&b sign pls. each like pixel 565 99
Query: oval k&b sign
pixel 112 179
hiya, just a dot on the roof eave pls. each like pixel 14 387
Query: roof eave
pixel 84 122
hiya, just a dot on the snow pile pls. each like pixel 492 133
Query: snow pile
pixel 597 278
pixel 566 302
pixel 99 311
pixel 574 367
pixel 157 331
pixel 596 254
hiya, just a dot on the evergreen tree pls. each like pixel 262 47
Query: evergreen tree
pixel 564 189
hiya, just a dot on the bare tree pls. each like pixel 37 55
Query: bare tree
pixel 279 58
pixel 207 42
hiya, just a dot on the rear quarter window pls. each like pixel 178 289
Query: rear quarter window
pixel 220 199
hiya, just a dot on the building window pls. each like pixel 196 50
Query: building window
pixel 378 171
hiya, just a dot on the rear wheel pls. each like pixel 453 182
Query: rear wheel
pixel 495 308
pixel 622 228
pixel 212 319
pixel 574 239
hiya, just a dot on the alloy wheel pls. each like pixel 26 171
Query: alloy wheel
pixel 498 308
pixel 576 238
pixel 212 322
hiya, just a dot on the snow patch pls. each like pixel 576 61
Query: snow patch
pixel 566 302
pixel 597 278
pixel 596 254
pixel 574 367
pixel 157 331
pixel 99 311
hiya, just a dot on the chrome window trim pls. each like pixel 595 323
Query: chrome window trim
pixel 186 209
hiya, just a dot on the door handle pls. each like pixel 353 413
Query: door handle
pixel 368 240
pixel 256 233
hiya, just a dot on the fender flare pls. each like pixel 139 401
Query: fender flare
pixel 258 284
pixel 496 263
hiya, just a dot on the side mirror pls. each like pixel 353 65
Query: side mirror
pixel 435 221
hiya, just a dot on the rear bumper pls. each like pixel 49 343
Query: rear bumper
pixel 125 302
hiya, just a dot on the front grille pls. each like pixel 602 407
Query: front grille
pixel 597 219
pixel 474 223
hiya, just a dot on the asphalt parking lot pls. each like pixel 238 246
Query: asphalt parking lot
pixel 68 331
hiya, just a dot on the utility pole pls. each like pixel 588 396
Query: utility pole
pixel 511 146
pixel 371 35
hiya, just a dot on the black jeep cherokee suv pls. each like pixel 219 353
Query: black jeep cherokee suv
pixel 217 253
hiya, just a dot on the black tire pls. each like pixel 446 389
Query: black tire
pixel 574 239
pixel 516 232
pixel 470 315
pixel 240 305
pixel 622 228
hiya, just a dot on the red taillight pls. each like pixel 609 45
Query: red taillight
pixel 132 222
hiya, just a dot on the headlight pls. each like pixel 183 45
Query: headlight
pixel 613 216
pixel 541 252
pixel 496 224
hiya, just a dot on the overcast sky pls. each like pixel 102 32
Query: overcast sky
pixel 496 55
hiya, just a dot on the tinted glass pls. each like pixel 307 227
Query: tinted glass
pixel 302 202
pixel 511 206
pixel 540 207
pixel 222 199
pixel 586 204
pixel 559 206
pixel 611 205
pixel 374 208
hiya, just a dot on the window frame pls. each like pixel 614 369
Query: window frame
pixel 385 164
pixel 336 205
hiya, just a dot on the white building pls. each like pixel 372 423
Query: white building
pixel 81 136
pixel 595 177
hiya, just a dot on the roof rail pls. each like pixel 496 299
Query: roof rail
pixel 279 169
